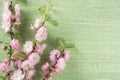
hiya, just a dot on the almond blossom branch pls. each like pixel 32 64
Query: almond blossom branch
pixel 7 25
pixel 58 58
pixel 22 61
pixel 56 64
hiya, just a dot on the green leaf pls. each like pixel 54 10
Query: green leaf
pixel 33 41
pixel 51 21
pixel 22 56
pixel 51 68
pixel 44 10
pixel 61 42
pixel 70 46
pixel 11 71
pixel 17 23
pixel 14 54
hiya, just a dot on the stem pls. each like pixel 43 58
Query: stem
pixel 10 50
pixel 44 20
pixel 45 17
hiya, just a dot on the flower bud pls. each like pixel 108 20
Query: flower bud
pixel 4 47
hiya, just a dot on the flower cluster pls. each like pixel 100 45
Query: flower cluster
pixel 4 66
pixel 56 65
pixel 23 59
pixel 32 52
pixel 10 19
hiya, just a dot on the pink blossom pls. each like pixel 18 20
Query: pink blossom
pixel 27 64
pixel 34 57
pixel 45 68
pixel 17 12
pixel 15 45
pixel 41 34
pixel 6 17
pixel 39 49
pixel 30 74
pixel 7 5
pixel 17 63
pixel 54 55
pixel 60 65
pixel 28 47
pixel 37 24
pixel 17 75
pixel 4 66
pixel 66 55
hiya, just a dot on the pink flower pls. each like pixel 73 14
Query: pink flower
pixel 17 12
pixel 54 55
pixel 27 64
pixel 45 68
pixel 60 65
pixel 17 63
pixel 39 49
pixel 34 57
pixel 6 17
pixel 41 34
pixel 17 75
pixel 4 66
pixel 30 74
pixel 37 24
pixel 28 47
pixel 15 45
pixel 66 55
pixel 7 5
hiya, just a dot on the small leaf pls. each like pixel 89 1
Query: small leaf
pixel 44 10
pixel 51 68
pixel 70 46
pixel 22 56
pixel 33 41
pixel 17 23
pixel 39 43
pixel 14 54
pixel 61 42
pixel 51 21
pixel 11 71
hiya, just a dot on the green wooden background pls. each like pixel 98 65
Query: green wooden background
pixel 92 25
